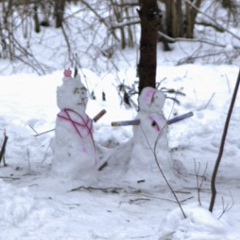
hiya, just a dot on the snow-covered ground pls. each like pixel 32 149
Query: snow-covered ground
pixel 36 205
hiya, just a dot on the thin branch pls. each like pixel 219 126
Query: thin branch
pixel 227 207
pixel 213 20
pixel 124 24
pixel 102 20
pixel 173 40
pixel 199 183
pixel 161 171
pixel 3 149
pixel 221 149
pixel 166 199
pixel 207 24
pixel 210 99
pixel 115 190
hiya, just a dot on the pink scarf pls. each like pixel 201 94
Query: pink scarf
pixel 83 125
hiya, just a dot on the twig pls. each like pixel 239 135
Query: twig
pixel 228 84
pixel 161 171
pixel 226 208
pixel 11 178
pixel 33 129
pixel 3 149
pixel 169 200
pixel 221 149
pixel 199 184
pixel 45 155
pixel 28 159
pixel 197 178
pixel 39 134
pixel 209 101
pixel 105 190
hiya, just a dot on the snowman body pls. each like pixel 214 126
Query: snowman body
pixel 74 153
pixel 136 159
pixel 150 142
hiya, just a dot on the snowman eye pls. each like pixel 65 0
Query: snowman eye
pixel 154 124
pixel 83 91
pixel 76 90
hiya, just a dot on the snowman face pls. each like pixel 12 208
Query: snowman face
pixel 151 100
pixel 157 101
pixel 72 95
pixel 80 96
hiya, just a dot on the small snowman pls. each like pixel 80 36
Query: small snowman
pixel 74 151
pixel 135 160
pixel 150 142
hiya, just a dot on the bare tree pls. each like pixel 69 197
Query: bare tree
pixel 101 31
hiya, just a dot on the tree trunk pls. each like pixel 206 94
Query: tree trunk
pixel 227 3
pixel 59 12
pixel 174 18
pixel 35 17
pixel 177 16
pixel 191 14
pixel 149 17
pixel 180 19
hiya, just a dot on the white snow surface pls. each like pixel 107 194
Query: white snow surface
pixel 34 204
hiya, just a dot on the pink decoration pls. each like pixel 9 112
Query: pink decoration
pixel 83 126
pixel 158 122
pixel 67 73
pixel 149 95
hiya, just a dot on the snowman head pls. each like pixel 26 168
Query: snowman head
pixel 72 94
pixel 151 100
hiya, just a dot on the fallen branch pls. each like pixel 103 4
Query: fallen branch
pixel 114 190
pixel 10 178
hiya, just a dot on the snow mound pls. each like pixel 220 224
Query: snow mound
pixel 200 224
pixel 17 205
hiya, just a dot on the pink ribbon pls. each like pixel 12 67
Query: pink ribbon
pixel 83 126
pixel 158 122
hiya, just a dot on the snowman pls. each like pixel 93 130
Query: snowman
pixel 74 151
pixel 150 142
pixel 136 160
